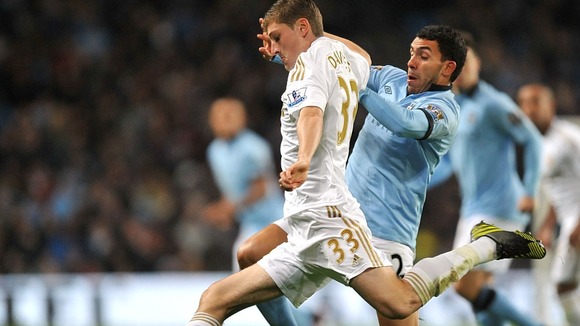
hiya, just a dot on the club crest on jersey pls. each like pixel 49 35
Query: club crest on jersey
pixel 388 89
pixel 296 96
pixel 435 112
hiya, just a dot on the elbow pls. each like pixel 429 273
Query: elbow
pixel 368 57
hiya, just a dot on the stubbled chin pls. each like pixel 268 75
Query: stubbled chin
pixel 412 86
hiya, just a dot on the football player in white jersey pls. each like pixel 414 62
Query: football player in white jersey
pixel 328 236
pixel 561 178
pixel 412 123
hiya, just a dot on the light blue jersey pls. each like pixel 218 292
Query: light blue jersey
pixel 483 156
pixel 235 164
pixel 393 158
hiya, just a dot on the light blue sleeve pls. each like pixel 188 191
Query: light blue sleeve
pixel 380 75
pixel 399 120
pixel 524 132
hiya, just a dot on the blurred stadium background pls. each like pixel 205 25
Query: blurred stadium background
pixel 103 135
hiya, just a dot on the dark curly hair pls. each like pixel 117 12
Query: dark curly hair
pixel 451 44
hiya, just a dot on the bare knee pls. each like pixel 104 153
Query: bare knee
pixel 398 309
pixel 258 245
pixel 210 302
pixel 248 254
pixel 391 296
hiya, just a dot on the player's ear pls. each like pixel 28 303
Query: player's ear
pixel 303 26
pixel 449 68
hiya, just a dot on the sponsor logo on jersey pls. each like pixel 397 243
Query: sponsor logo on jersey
pixel 388 89
pixel 296 97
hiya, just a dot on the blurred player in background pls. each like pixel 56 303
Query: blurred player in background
pixel 561 178
pixel 241 162
pixel 483 159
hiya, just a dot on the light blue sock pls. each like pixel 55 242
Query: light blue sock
pixel 502 307
pixel 278 312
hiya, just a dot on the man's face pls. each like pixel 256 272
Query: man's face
pixel 537 104
pixel 226 118
pixel 286 42
pixel 425 66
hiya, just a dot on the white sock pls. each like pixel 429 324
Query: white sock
pixel 203 319
pixel 571 304
pixel 431 276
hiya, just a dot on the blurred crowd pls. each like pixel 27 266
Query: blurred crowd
pixel 103 113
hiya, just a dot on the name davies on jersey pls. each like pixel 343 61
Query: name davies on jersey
pixel 338 58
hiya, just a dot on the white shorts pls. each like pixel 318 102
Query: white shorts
pixel 566 261
pixel 463 237
pixel 401 256
pixel 323 243
pixel 283 224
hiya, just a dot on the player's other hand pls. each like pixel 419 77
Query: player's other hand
pixel 526 204
pixel 294 176
pixel 265 49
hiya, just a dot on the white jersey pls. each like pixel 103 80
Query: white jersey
pixel 328 76
pixel 561 168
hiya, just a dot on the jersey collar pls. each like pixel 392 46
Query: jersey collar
pixel 436 88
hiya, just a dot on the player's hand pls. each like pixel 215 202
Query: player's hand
pixel 526 204
pixel 265 49
pixel 220 214
pixel 294 176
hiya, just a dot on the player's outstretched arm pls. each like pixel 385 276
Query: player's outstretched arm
pixel 351 45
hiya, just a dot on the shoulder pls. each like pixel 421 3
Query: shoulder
pixel 442 103
pixel 252 137
pixel 566 130
pixel 495 99
pixel 387 71
pixel 333 52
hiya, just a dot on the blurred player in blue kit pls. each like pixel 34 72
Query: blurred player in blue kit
pixel 242 165
pixel 483 159
pixel 561 178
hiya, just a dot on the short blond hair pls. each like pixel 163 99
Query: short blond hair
pixel 289 11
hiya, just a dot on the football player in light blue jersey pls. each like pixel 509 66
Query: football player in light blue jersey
pixel 242 165
pixel 483 159
pixel 412 123
pixel 419 128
